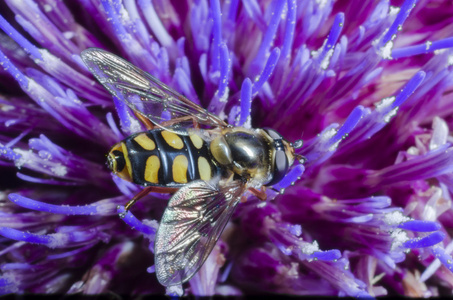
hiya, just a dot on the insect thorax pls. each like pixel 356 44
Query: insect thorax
pixel 246 152
pixel 162 158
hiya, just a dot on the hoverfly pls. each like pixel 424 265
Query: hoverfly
pixel 208 169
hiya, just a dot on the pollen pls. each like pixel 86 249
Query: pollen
pixel 59 170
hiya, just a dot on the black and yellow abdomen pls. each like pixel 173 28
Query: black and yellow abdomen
pixel 162 158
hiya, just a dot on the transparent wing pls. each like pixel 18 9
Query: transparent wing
pixel 190 227
pixel 142 92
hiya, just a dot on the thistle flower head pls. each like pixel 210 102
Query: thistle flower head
pixel 367 86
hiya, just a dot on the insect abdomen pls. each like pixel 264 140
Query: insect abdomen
pixel 163 158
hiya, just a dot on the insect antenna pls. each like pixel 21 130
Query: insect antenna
pixel 297 145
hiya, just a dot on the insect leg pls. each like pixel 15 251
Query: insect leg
pixel 137 197
pixel 146 191
pixel 260 194
pixel 145 121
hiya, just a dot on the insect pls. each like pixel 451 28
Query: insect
pixel 207 163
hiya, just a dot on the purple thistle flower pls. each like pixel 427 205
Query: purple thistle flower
pixel 367 86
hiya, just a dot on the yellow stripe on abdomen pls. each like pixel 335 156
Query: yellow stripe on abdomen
pixel 204 169
pixel 172 139
pixel 152 169
pixel 196 140
pixel 145 142
pixel 179 168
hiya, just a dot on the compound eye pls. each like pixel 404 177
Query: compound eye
pixel 281 162
pixel 274 134
pixel 281 166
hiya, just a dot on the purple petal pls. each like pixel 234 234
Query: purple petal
pixel 428 241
